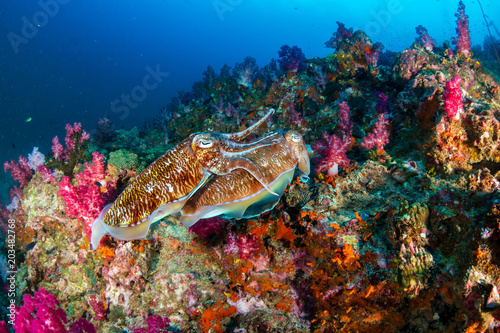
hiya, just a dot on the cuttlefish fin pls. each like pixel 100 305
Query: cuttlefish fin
pixel 265 202
pixel 138 230
pixel 238 136
pixel 232 210
pixel 230 164
pixel 98 230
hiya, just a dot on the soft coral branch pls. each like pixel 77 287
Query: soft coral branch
pixel 334 148
pixel 380 135
pixel 85 200
pixel 20 171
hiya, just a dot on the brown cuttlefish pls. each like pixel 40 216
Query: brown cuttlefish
pixel 165 185
pixel 206 175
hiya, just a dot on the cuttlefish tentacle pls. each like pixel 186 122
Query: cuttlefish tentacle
pixel 239 194
pixel 164 186
pixel 231 164
pixel 238 136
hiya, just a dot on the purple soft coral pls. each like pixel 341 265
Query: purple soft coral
pixel 424 39
pixel 382 103
pixel 82 325
pixel 245 72
pixel 291 58
pixel 341 34
pixel 156 324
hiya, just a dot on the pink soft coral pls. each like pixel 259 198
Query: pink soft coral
pixel 156 324
pixel 453 98
pixel 335 152
pixel 41 313
pixel 424 39
pixel 334 148
pixel 85 201
pixel 72 132
pixel 380 135
pixel 463 40
pixel 345 124
pixel 19 171
pixel 244 246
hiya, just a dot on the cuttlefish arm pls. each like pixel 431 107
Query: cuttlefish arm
pixel 238 136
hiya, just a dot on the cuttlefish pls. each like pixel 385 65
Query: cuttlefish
pixel 239 194
pixel 165 186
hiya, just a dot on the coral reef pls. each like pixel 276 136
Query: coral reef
pixel 402 237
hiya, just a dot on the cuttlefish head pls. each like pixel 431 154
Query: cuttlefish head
pixel 221 153
pixel 220 156
pixel 296 142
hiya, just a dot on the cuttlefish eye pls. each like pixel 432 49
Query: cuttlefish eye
pixel 295 137
pixel 205 143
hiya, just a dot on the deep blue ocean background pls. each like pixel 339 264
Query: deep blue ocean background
pixel 67 61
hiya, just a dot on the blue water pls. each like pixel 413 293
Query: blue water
pixel 65 61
